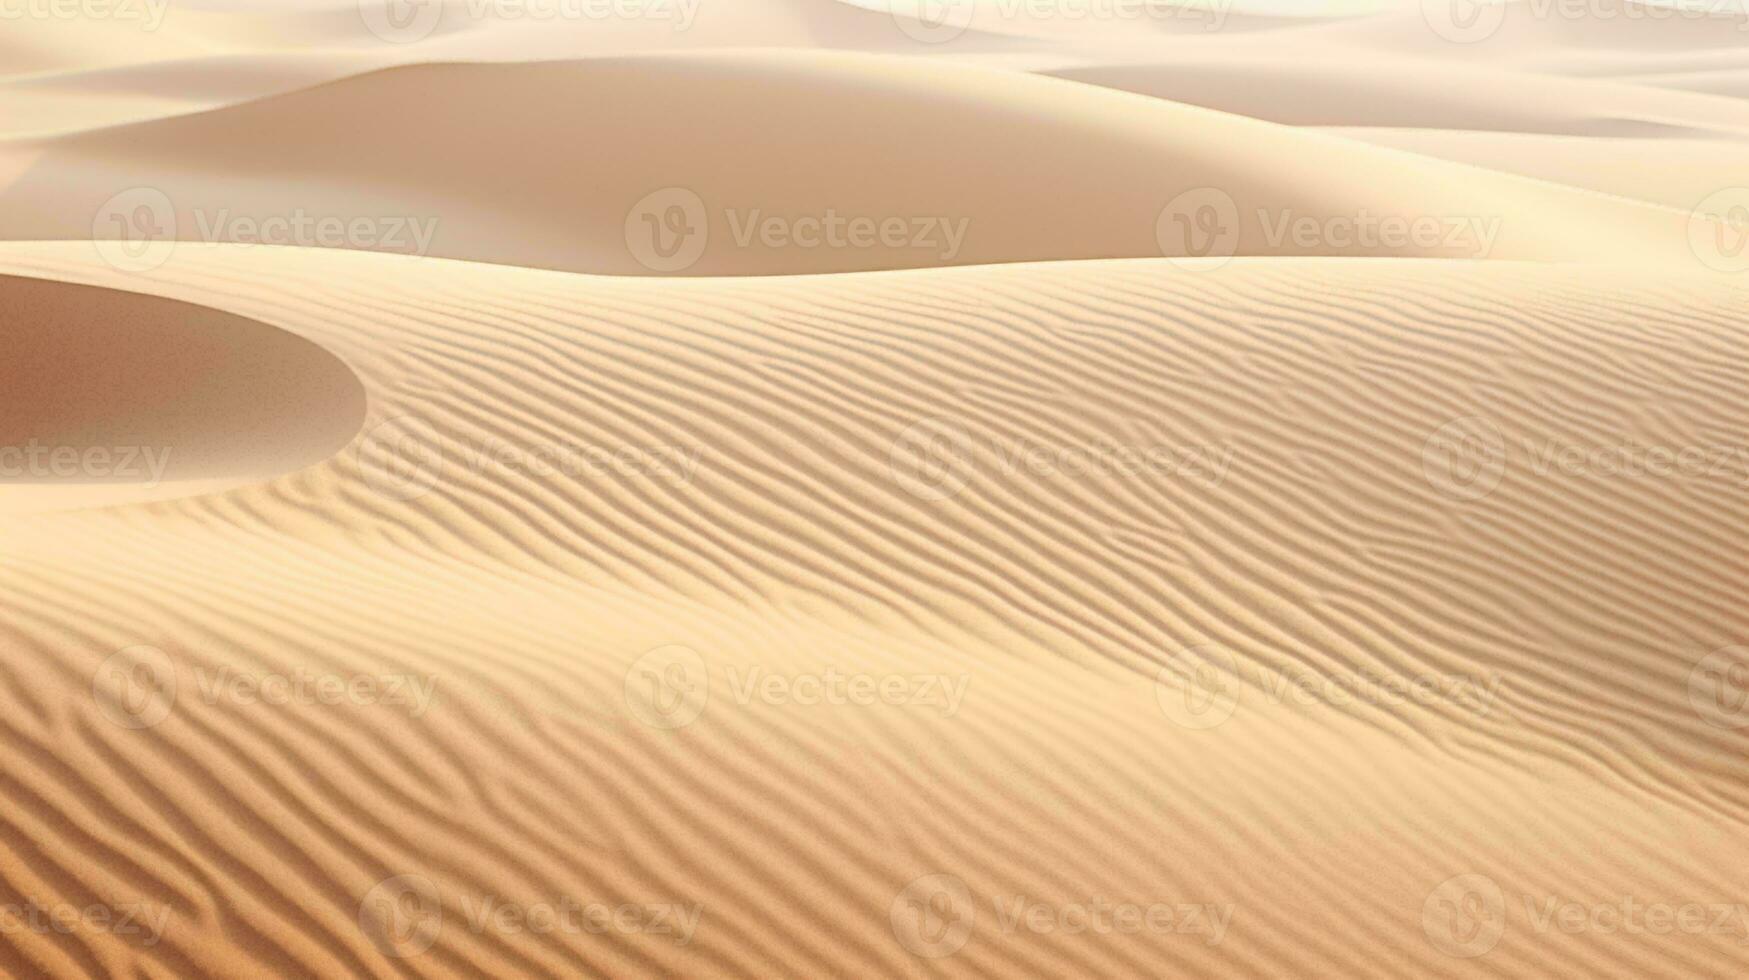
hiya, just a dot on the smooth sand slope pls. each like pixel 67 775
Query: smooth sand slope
pixel 1341 610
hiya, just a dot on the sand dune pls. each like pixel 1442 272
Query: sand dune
pixel 1298 400
pixel 594 593
pixel 1087 173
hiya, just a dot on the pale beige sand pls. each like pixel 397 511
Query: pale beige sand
pixel 1120 547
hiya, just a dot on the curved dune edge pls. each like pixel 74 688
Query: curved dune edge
pixel 533 602
pixel 888 144
pixel 116 397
